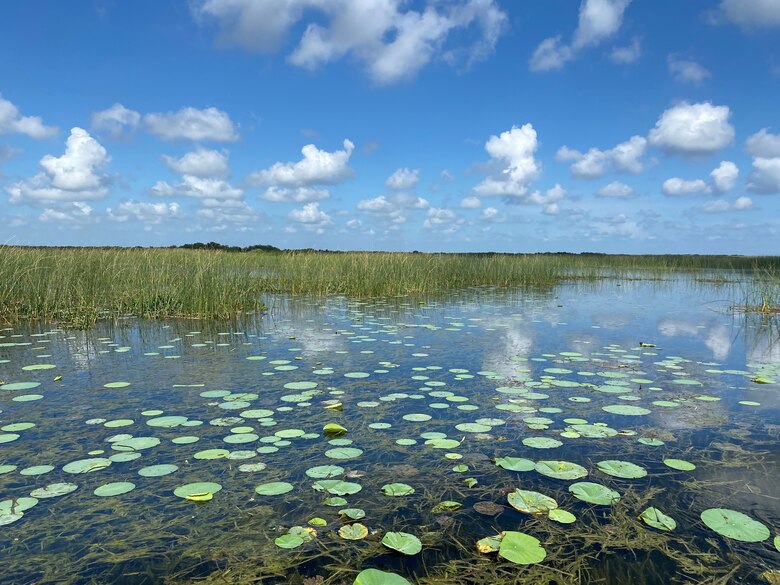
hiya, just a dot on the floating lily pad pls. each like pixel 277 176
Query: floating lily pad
pixel 274 488
pixel 209 454
pixel 622 469
pixel 196 488
pixel 657 519
pixel 157 470
pixel 541 442
pixel 561 516
pixel 86 465
pixel 351 514
pixel 377 577
pixel 489 544
pixel 561 469
pixel 37 470
pixel 324 471
pixel 333 429
pixel 288 541
pixel 343 453
pixel 593 493
pixel 354 531
pixel 679 464
pixel 734 525
pixel 337 487
pixel 397 489
pixel 514 463
pixel 116 488
pixel 626 409
pixel 402 542
pixel 54 490
pixel 530 502
pixel 521 548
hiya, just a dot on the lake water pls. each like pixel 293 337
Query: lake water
pixel 433 394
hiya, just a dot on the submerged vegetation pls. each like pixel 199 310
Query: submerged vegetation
pixel 77 286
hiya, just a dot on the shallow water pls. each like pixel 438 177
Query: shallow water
pixel 489 356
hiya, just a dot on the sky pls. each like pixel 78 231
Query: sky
pixel 621 126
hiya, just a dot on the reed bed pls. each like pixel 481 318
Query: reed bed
pixel 76 286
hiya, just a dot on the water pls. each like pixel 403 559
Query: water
pixel 555 354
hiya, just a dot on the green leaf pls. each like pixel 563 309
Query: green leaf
pixel 679 464
pixel 288 541
pixel 333 429
pixel 377 577
pixel 734 525
pixel 623 469
pixel 397 489
pixel 354 531
pixel 561 469
pixel 337 487
pixel 521 549
pixel 593 493
pixel 274 488
pixel 657 519
pixel 562 516
pixel 514 463
pixel 403 542
pixel 530 502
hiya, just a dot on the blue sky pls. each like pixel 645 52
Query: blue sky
pixel 433 125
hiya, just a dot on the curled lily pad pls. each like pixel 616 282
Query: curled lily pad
pixel 351 514
pixel 402 542
pixel 622 469
pixel 397 489
pixel 337 487
pixel 561 469
pixel 734 525
pixel 514 463
pixel 333 429
pixel 521 548
pixel 593 493
pixel 657 519
pixel 377 577
pixel 447 506
pixel 489 544
pixel 531 502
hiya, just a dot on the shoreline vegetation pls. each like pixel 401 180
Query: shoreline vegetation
pixel 76 286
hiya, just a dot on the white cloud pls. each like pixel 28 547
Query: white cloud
pixel 198 187
pixel 311 217
pixel 615 189
pixel 295 194
pixel 393 208
pixel 492 215
pixel 392 43
pixel 764 144
pixel 749 14
pixel 200 163
pixel 75 215
pixel 765 178
pixel 625 157
pixel 687 70
pixel 692 129
pixel 12 122
pixel 403 178
pixel 316 167
pixel 628 54
pixel 676 186
pixel 619 225
pixel 722 205
pixel 148 213
pixel 471 203
pixel 444 221
pixel 598 21
pixel 224 213
pixel 75 176
pixel 192 124
pixel 724 177
pixel 116 120
pixel 514 151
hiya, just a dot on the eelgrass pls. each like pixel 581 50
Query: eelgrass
pixel 76 286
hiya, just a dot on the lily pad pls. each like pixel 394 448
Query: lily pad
pixel 541 442
pixel 561 516
pixel 324 471
pixel 343 453
pixel 377 577
pixel 200 487
pixel 657 519
pixel 397 489
pixel 679 464
pixel 561 469
pixel 626 410
pixel 402 542
pixel 622 469
pixel 274 488
pixel 116 488
pixel 514 463
pixel 593 493
pixel 288 541
pixel 351 514
pixel 521 548
pixel 157 470
pixel 734 525
pixel 53 490
pixel 530 502
pixel 86 465
pixel 337 487
pixel 354 531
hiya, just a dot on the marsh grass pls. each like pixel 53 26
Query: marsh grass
pixel 77 286
pixel 762 294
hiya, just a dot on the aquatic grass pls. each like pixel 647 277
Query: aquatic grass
pixel 762 294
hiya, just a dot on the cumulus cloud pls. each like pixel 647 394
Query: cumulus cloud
pixel 748 14
pixel 77 175
pixel 147 213
pixel 547 200
pixel 765 178
pixel 471 203
pixel 627 54
pixel 598 21
pixel 403 178
pixel 392 43
pixel 116 120
pixel 74 214
pixel 209 124
pixel 513 152
pixel 764 144
pixel 676 186
pixel 687 70
pixel 393 208
pixel 724 177
pixel 316 167
pixel 693 129
pixel 12 122
pixel 295 194
pixel 492 215
pixel 722 205
pixel 200 163
pixel 625 157
pixel 615 189
pixel 442 220
pixel 311 217
pixel 225 214
pixel 197 187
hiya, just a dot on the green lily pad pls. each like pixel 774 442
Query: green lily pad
pixel 377 577
pixel 288 541
pixel 351 514
pixel 333 429
pixel 561 469
pixel 626 410
pixel 343 453
pixel 514 463
pixel 37 470
pixel 157 470
pixel 521 548
pixel 402 542
pixel 17 505
pixel 734 525
pixel 593 493
pixel 53 490
pixel 561 516
pixel 135 444
pixel 541 442
pixel 443 443
pixel 354 531
pixel 657 519
pixel 324 471
pixel 116 488
pixel 530 502
pixel 397 489
pixel 679 464
pixel 589 431
pixel 196 488
pixel 622 469
pixel 274 488
pixel 337 487
pixel 86 465
pixel 209 454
